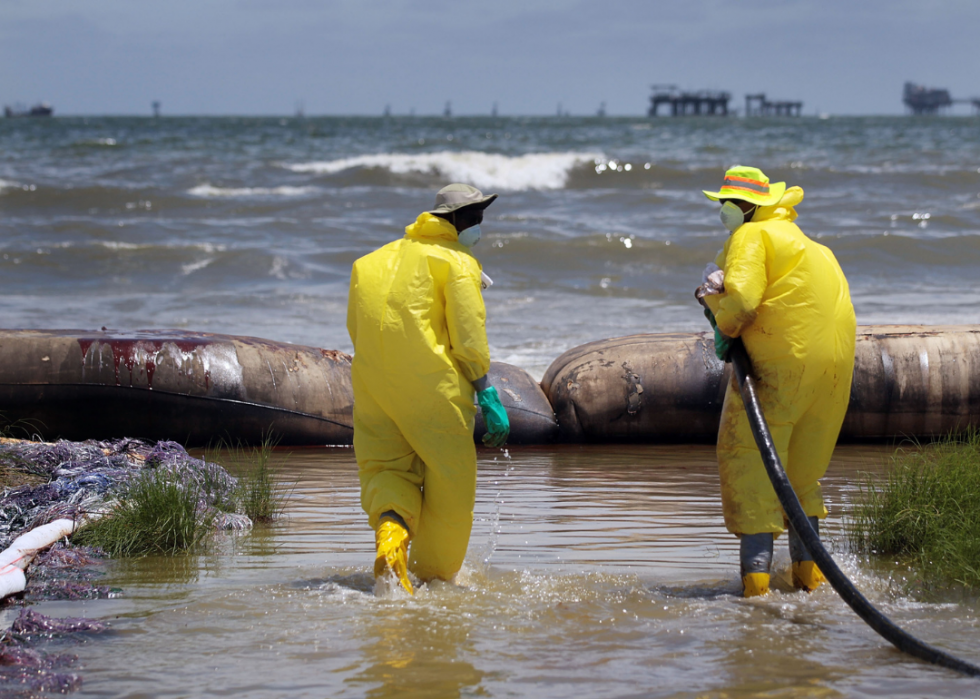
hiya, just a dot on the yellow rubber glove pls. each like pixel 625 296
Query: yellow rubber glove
pixel 391 540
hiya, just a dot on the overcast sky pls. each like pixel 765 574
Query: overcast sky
pixel 356 56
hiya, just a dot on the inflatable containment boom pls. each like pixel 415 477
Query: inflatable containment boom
pixel 641 388
pixel 914 381
pixel 532 421
pixel 909 381
pixel 193 388
pixel 199 388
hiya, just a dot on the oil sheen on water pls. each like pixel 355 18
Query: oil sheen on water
pixel 592 571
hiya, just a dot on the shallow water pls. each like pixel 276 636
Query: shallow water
pixel 592 571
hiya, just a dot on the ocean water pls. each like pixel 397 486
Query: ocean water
pixel 250 225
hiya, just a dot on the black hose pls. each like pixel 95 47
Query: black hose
pixel 902 640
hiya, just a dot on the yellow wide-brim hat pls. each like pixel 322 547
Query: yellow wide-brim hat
pixel 748 184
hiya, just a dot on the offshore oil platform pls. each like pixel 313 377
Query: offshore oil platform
pixel 715 103
pixel 920 99
pixel 681 103
pixel 758 105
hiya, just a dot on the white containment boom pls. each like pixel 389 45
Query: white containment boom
pixel 15 559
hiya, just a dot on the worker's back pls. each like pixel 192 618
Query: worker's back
pixel 804 306
pixel 416 314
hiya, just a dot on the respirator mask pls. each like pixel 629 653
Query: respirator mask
pixel 732 216
pixel 470 236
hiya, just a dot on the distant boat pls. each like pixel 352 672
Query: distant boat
pixel 38 110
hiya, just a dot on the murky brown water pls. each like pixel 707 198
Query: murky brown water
pixel 592 571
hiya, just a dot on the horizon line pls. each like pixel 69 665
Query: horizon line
pixel 284 115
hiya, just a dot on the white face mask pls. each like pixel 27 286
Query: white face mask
pixel 470 236
pixel 732 216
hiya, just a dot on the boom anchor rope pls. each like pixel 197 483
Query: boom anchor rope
pixel 887 629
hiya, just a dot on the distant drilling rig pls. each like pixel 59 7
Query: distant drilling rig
pixel 715 103
pixel 928 100
pixel 682 103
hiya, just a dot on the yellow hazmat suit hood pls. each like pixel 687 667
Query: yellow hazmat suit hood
pixel 783 209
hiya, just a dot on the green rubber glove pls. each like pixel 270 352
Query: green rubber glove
pixel 723 343
pixel 494 417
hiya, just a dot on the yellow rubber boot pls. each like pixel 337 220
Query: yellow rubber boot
pixel 755 584
pixel 807 576
pixel 391 539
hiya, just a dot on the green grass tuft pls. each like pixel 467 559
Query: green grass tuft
pixel 261 493
pixel 160 513
pixel 157 515
pixel 926 511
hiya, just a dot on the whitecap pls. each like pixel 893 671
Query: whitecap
pixel 209 191
pixel 192 267
pixel 8 184
pixel 278 269
pixel 484 170
pixel 120 245
pixel 90 142
pixel 206 247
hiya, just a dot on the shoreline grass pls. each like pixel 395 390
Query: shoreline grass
pixel 261 492
pixel 926 511
pixel 157 515
pixel 164 513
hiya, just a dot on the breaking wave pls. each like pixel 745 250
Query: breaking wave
pixel 484 170
pixel 209 191
pixel 97 142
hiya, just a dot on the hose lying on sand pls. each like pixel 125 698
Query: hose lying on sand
pixel 902 640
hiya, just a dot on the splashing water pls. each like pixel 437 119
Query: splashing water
pixel 494 519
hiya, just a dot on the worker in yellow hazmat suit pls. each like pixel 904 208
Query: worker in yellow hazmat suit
pixel 417 320
pixel 786 297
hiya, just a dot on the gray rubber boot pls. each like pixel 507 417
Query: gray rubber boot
pixel 755 558
pixel 755 553
pixel 797 551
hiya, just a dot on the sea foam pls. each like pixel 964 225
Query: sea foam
pixel 484 170
pixel 210 191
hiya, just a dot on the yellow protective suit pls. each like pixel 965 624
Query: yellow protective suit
pixel 787 298
pixel 417 320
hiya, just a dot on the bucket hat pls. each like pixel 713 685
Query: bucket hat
pixel 748 184
pixel 456 196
